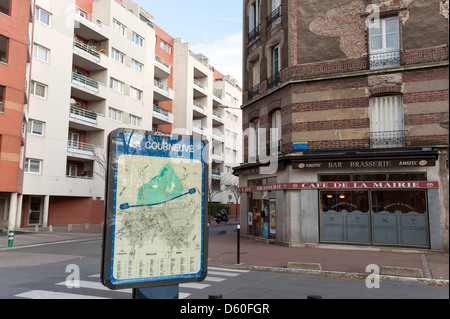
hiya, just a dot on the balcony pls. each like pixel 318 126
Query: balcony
pixel 254 91
pixel 161 116
pixel 162 92
pixel 88 26
pixel 86 88
pixel 162 68
pixel 81 148
pixel 199 109
pixel 217 118
pixel 199 89
pixel 216 173
pixel 254 34
pixel 385 60
pixel 274 81
pixel 197 127
pixel 274 17
pixel 88 57
pixel 83 115
pixel 387 139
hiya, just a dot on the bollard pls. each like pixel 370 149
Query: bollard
pixel 215 297
pixel 238 254
pixel 10 238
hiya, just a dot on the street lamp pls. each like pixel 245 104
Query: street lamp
pixel 220 106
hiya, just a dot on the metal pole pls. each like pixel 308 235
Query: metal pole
pixel 238 244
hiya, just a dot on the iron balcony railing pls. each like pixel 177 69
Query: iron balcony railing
pixel 253 92
pixel 385 59
pixel 252 35
pixel 274 81
pixel 274 16
pixel 387 139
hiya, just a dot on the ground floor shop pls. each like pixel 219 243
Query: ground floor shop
pixel 377 202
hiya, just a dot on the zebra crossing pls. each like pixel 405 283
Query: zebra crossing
pixel 92 288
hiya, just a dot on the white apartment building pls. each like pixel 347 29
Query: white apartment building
pixel 95 70
pixel 211 104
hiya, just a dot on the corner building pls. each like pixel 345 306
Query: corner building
pixel 343 110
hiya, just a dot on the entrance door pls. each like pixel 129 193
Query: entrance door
pixel 35 211
pixel 4 212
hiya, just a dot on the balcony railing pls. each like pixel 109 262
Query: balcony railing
pixel 385 60
pixel 387 139
pixel 81 148
pixel 85 115
pixel 88 49
pixel 162 61
pixel 85 82
pixel 160 111
pixel 253 34
pixel 199 84
pixel 274 81
pixel 88 17
pixel 253 92
pixel 274 16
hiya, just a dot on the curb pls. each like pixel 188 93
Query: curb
pixel 345 275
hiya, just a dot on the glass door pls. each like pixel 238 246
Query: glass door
pixel 35 210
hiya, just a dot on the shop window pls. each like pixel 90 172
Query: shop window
pixel 400 218
pixel 407 177
pixel 345 216
pixel 369 177
pixel 335 178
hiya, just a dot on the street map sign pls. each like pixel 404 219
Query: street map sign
pixel 156 213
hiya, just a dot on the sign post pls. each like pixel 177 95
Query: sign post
pixel 155 218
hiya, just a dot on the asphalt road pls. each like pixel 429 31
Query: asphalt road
pixel 47 271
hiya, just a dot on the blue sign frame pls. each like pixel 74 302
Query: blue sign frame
pixel 147 146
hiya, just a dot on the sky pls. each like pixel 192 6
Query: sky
pixel 212 27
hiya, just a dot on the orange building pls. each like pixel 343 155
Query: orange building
pixel 16 23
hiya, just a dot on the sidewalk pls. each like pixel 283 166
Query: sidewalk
pixel 406 265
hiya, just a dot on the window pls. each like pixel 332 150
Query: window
pixel 71 170
pixel 3 49
pixel 274 80
pixel 118 56
pixel 275 16
pixel 275 132
pixel 40 52
pixel 2 98
pixel 74 140
pixel 38 89
pixel 135 121
pixel 32 166
pixel 119 28
pixel 36 127
pixel 115 114
pixel 387 127
pixel 138 40
pixel 5 7
pixel 253 21
pixel 165 46
pixel 42 16
pixel 253 141
pixel 135 93
pixel 116 85
pixel 384 43
pixel 137 66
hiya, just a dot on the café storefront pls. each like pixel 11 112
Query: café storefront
pixel 379 202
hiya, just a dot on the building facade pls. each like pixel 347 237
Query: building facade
pixel 342 107
pixel 98 66
pixel 16 26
